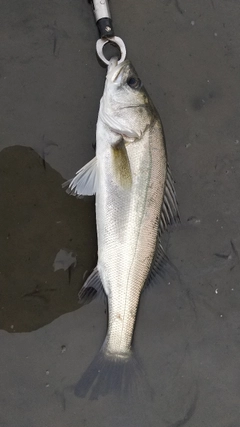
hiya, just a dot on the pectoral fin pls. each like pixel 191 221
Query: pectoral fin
pixel 85 181
pixel 121 165
pixel 117 127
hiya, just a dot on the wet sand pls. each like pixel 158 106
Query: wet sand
pixel 187 333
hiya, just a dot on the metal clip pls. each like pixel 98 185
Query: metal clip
pixel 117 41
pixel 104 23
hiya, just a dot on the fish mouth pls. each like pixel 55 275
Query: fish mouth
pixel 114 69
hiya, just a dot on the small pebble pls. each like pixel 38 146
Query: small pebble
pixel 216 291
pixel 63 348
pixel 47 372
pixel 193 220
pixel 192 22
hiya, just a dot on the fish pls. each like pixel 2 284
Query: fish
pixel 135 202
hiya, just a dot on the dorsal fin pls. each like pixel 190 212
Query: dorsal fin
pixel 169 215
pixel 161 266
pixel 169 212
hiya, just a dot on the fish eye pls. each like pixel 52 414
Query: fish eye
pixel 134 82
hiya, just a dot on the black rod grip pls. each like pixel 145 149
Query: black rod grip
pixel 105 27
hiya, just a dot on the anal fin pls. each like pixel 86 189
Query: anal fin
pixel 91 289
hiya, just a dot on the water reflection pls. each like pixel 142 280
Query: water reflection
pixel 40 226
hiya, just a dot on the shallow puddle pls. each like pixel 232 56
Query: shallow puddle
pixel 48 242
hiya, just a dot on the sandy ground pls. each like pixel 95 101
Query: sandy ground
pixel 188 331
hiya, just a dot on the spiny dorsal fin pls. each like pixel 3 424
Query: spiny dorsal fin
pixel 85 181
pixel 91 289
pixel 169 212
pixel 169 215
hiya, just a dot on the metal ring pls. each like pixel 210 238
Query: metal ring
pixel 114 40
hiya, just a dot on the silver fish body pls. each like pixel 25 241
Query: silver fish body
pixel 135 201
pixel 127 227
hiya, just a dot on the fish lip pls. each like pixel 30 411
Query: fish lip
pixel 114 69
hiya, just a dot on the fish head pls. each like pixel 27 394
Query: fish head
pixel 126 107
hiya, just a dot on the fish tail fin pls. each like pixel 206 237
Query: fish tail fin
pixel 111 373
